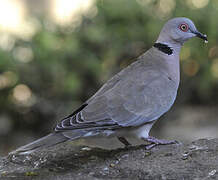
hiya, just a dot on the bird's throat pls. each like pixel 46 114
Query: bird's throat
pixel 164 48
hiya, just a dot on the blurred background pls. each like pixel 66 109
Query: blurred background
pixel 55 54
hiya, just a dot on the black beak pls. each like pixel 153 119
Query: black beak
pixel 200 35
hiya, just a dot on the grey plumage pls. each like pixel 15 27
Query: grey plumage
pixel 47 141
pixel 132 100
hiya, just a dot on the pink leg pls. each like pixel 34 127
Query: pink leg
pixel 154 142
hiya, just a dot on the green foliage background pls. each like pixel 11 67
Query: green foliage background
pixel 70 63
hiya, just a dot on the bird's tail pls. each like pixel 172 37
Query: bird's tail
pixel 44 142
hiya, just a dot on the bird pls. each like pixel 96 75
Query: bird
pixel 129 103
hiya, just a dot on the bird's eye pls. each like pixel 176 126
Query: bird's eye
pixel 183 27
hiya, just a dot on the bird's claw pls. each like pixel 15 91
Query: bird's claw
pixel 154 142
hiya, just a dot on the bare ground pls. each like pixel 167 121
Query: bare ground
pixel 196 160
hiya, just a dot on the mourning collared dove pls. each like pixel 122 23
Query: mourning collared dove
pixel 130 102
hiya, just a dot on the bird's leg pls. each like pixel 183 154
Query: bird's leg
pixel 154 142
pixel 124 141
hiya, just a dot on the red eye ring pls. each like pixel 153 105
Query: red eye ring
pixel 183 27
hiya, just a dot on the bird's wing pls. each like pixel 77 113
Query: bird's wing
pixel 129 99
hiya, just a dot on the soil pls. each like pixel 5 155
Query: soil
pixel 196 160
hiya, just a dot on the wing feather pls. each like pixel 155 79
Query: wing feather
pixel 130 98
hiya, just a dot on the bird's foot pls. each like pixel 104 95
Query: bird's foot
pixel 154 142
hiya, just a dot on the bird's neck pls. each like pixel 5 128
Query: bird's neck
pixel 169 58
pixel 169 48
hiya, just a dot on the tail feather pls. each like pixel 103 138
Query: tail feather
pixel 53 139
pixel 44 142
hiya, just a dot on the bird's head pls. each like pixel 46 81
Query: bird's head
pixel 179 30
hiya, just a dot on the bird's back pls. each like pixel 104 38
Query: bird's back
pixel 140 93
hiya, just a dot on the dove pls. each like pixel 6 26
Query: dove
pixel 129 103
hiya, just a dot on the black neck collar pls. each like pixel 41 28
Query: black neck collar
pixel 164 48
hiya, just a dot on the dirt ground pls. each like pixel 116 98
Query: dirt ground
pixel 196 160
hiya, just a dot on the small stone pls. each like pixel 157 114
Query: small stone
pixel 86 149
pixel 91 173
pixel 212 173
pixel 147 153
pixel 36 164
pixel 112 165
pixel 117 161
pixel 186 152
pixel 28 157
pixel 93 158
pixel 125 156
pixel 185 155
pixel 14 157
pixel 195 147
pixel 106 169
